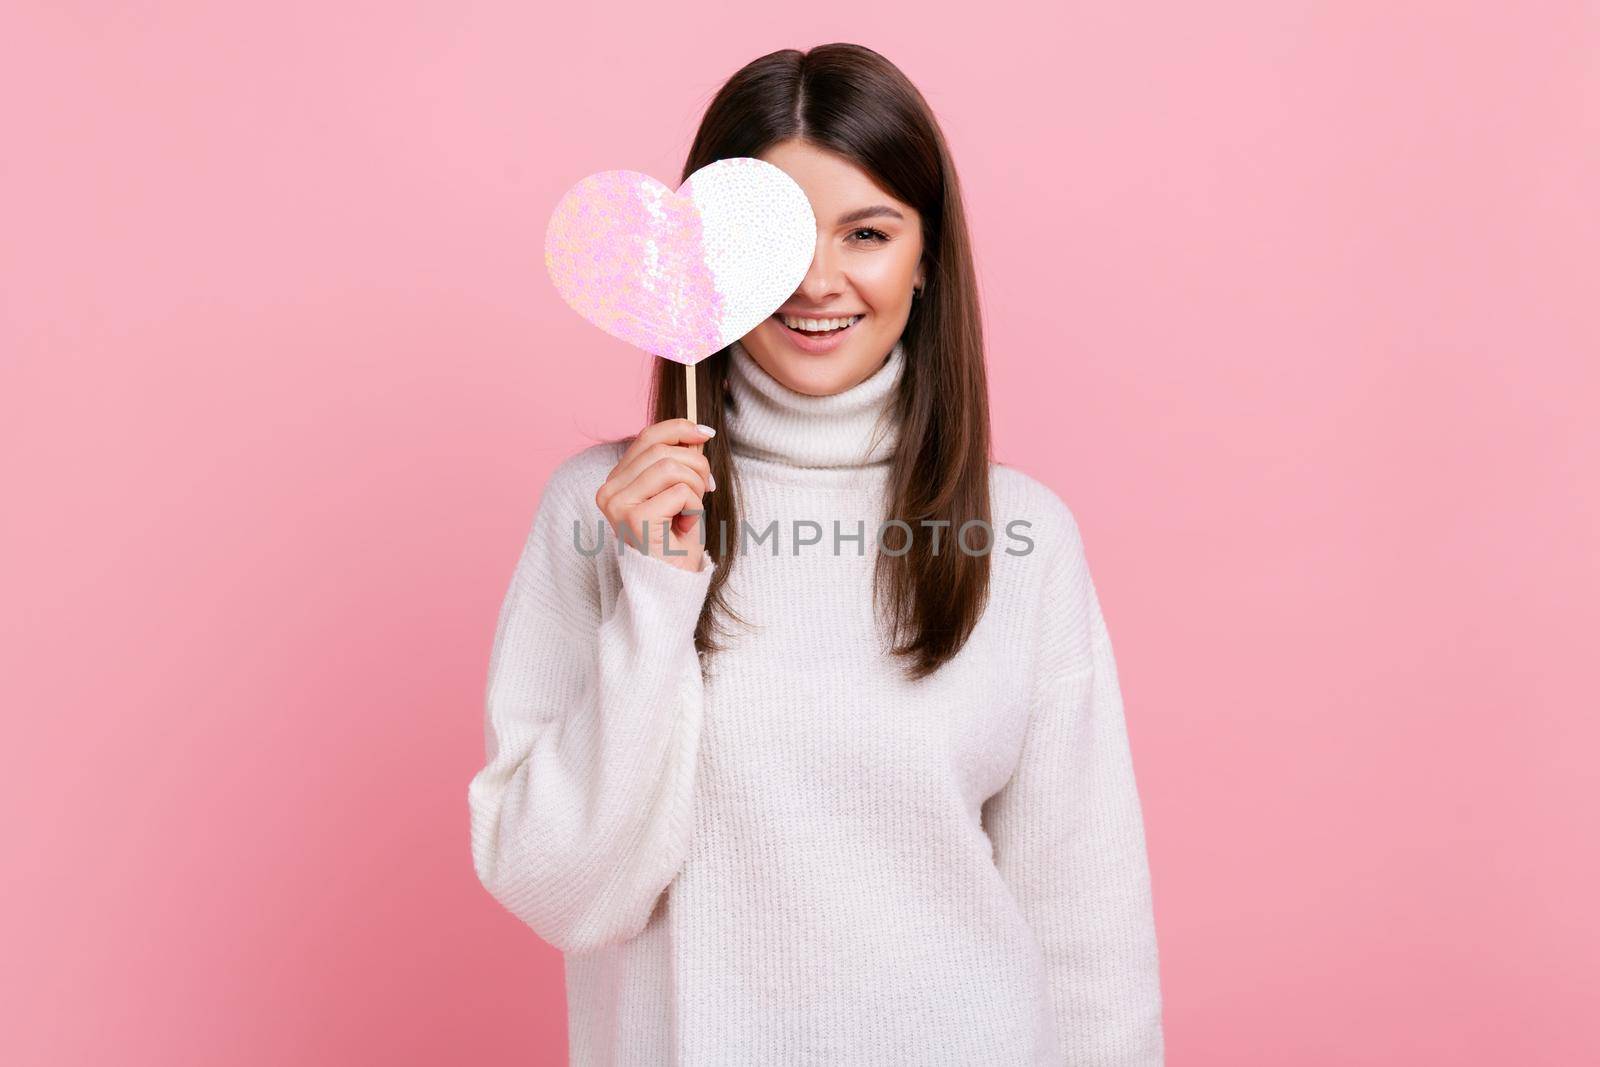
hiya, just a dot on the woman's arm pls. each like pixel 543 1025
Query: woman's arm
pixel 1069 835
pixel 581 815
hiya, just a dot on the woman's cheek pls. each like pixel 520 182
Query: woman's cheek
pixel 887 284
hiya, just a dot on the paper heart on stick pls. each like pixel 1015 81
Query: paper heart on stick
pixel 681 275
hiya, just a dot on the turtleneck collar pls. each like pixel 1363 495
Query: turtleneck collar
pixel 768 420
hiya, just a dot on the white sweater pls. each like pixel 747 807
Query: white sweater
pixel 804 858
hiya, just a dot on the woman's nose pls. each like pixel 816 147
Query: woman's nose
pixel 821 279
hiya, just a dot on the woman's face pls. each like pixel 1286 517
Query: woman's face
pixel 868 260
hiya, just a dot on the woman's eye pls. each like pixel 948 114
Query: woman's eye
pixel 872 234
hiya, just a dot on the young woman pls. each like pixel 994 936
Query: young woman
pixel 821 757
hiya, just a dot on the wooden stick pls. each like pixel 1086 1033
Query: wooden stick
pixel 689 379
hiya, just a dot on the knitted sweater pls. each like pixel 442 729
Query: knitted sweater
pixel 802 857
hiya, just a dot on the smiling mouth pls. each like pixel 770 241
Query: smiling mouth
pixel 808 327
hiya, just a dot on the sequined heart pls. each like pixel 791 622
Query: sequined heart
pixel 681 275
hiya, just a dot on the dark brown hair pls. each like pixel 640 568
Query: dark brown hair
pixel 849 100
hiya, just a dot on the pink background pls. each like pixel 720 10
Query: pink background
pixel 1294 304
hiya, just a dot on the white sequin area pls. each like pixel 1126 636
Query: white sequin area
pixel 759 235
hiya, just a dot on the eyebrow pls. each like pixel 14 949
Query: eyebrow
pixel 868 212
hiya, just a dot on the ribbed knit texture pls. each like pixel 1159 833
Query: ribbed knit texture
pixel 802 857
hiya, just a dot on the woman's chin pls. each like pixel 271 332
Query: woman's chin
pixel 815 374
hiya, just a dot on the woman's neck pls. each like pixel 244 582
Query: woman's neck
pixel 765 419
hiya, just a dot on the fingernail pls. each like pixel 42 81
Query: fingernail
pixel 703 428
pixel 713 479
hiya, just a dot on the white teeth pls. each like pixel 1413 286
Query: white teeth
pixel 815 325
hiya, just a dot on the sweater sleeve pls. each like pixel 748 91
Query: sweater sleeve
pixel 1069 835
pixel 580 817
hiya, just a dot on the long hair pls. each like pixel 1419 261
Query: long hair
pixel 849 100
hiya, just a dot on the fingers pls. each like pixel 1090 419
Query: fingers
pixel 667 431
pixel 665 506
pixel 628 470
pixel 676 509
pixel 657 479
pixel 661 491
pixel 661 475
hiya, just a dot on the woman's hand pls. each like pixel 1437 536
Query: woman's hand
pixel 650 494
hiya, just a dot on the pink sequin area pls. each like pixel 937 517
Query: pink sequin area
pixel 627 254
